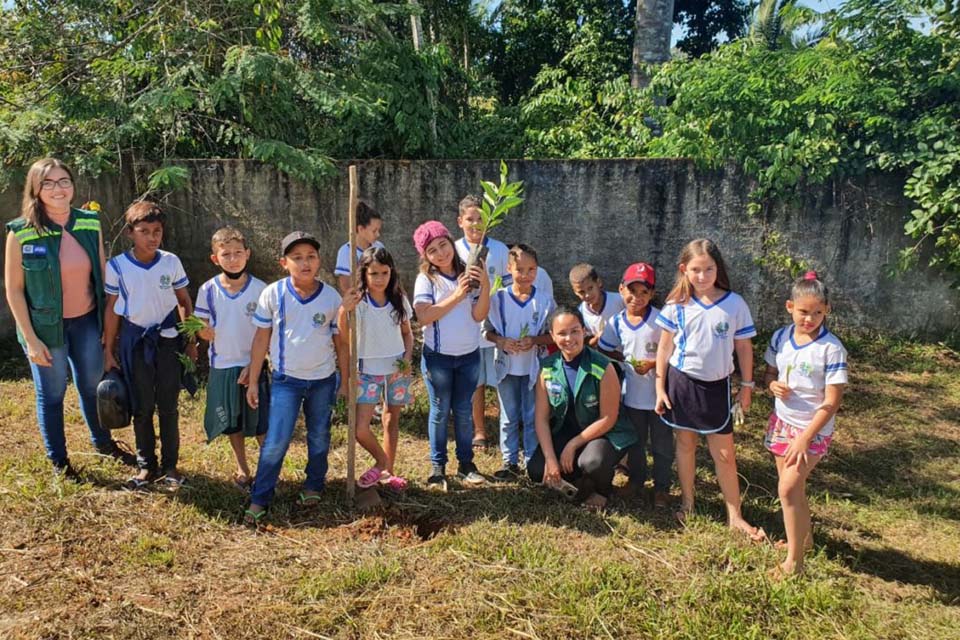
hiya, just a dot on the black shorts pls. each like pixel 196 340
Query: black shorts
pixel 699 406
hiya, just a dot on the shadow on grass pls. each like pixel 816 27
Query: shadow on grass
pixel 896 566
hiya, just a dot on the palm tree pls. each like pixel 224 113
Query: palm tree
pixel 783 24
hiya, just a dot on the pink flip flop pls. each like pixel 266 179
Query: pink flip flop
pixel 395 483
pixel 370 477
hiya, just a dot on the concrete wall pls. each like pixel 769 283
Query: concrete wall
pixel 607 212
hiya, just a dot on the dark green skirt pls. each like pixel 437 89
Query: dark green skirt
pixel 227 408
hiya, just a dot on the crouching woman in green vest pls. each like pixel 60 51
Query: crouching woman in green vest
pixel 54 282
pixel 578 422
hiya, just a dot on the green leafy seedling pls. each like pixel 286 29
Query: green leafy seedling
pixel 191 326
pixel 524 331
pixel 496 286
pixel 403 367
pixel 188 365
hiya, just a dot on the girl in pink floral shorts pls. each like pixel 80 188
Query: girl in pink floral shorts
pixel 806 373
pixel 384 350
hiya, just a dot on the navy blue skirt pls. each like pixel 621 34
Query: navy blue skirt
pixel 699 406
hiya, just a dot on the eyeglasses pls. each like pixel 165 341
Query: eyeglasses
pixel 63 183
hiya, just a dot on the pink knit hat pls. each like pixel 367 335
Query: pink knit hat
pixel 427 233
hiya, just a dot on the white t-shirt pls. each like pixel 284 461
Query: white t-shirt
pixel 639 341
pixel 379 339
pixel 703 335
pixel 145 292
pixel 301 343
pixel 612 305
pixel 342 267
pixel 456 333
pixel 508 316
pixel 496 266
pixel 231 316
pixel 807 370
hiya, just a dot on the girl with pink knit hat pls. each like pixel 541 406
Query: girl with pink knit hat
pixel 450 300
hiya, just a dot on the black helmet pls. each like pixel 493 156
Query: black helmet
pixel 113 401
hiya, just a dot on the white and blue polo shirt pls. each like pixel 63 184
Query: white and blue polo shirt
pixel 595 322
pixel 807 370
pixel 231 316
pixel 508 316
pixel 342 267
pixel 496 266
pixel 639 341
pixel 301 344
pixel 703 334
pixel 456 333
pixel 145 291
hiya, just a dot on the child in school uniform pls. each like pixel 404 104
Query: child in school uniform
pixel 450 310
pixel 635 335
pixel 384 350
pixel 296 318
pixel 596 305
pixel 147 295
pixel 369 225
pixel 516 324
pixel 226 303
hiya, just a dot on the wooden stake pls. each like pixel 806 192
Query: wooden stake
pixel 351 381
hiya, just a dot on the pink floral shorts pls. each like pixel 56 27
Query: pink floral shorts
pixel 370 389
pixel 780 435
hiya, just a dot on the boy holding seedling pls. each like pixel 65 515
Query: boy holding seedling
pixel 146 291
pixel 225 307
pixel 470 222
pixel 516 324
pixel 634 334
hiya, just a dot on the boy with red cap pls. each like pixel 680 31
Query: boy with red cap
pixel 634 334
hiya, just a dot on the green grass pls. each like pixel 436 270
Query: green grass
pixel 91 561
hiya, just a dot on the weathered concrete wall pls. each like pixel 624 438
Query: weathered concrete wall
pixel 607 212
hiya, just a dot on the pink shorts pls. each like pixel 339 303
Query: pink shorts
pixel 370 389
pixel 780 435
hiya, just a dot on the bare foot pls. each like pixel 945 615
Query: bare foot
pixel 756 534
pixel 784 571
pixel 781 545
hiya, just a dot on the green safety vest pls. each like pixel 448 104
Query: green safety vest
pixel 586 396
pixel 40 257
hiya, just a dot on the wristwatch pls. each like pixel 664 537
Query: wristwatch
pixel 749 384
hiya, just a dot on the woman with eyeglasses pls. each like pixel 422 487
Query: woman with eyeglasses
pixel 54 283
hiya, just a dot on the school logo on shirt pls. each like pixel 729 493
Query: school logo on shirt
pixel 318 320
pixel 721 329
pixel 651 347
pixel 805 369
pixel 251 309
pixel 492 270
pixel 165 282
pixel 536 317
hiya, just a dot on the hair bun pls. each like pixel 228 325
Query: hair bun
pixel 810 275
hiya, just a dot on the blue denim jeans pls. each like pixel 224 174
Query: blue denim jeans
pixel 82 352
pixel 287 395
pixel 517 404
pixel 451 381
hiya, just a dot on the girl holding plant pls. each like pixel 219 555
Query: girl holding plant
pixel 384 349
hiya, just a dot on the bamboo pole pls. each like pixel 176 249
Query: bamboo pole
pixel 352 340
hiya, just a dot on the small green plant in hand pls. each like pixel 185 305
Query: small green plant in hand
pixel 498 199
pixel 403 367
pixel 189 366
pixel 496 286
pixel 524 331
pixel 191 326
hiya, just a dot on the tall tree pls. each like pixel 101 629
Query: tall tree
pixel 706 22
pixel 651 38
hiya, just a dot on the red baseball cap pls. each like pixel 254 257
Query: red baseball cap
pixel 640 272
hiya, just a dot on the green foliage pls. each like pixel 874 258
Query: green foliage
pixel 168 178
pixel 499 199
